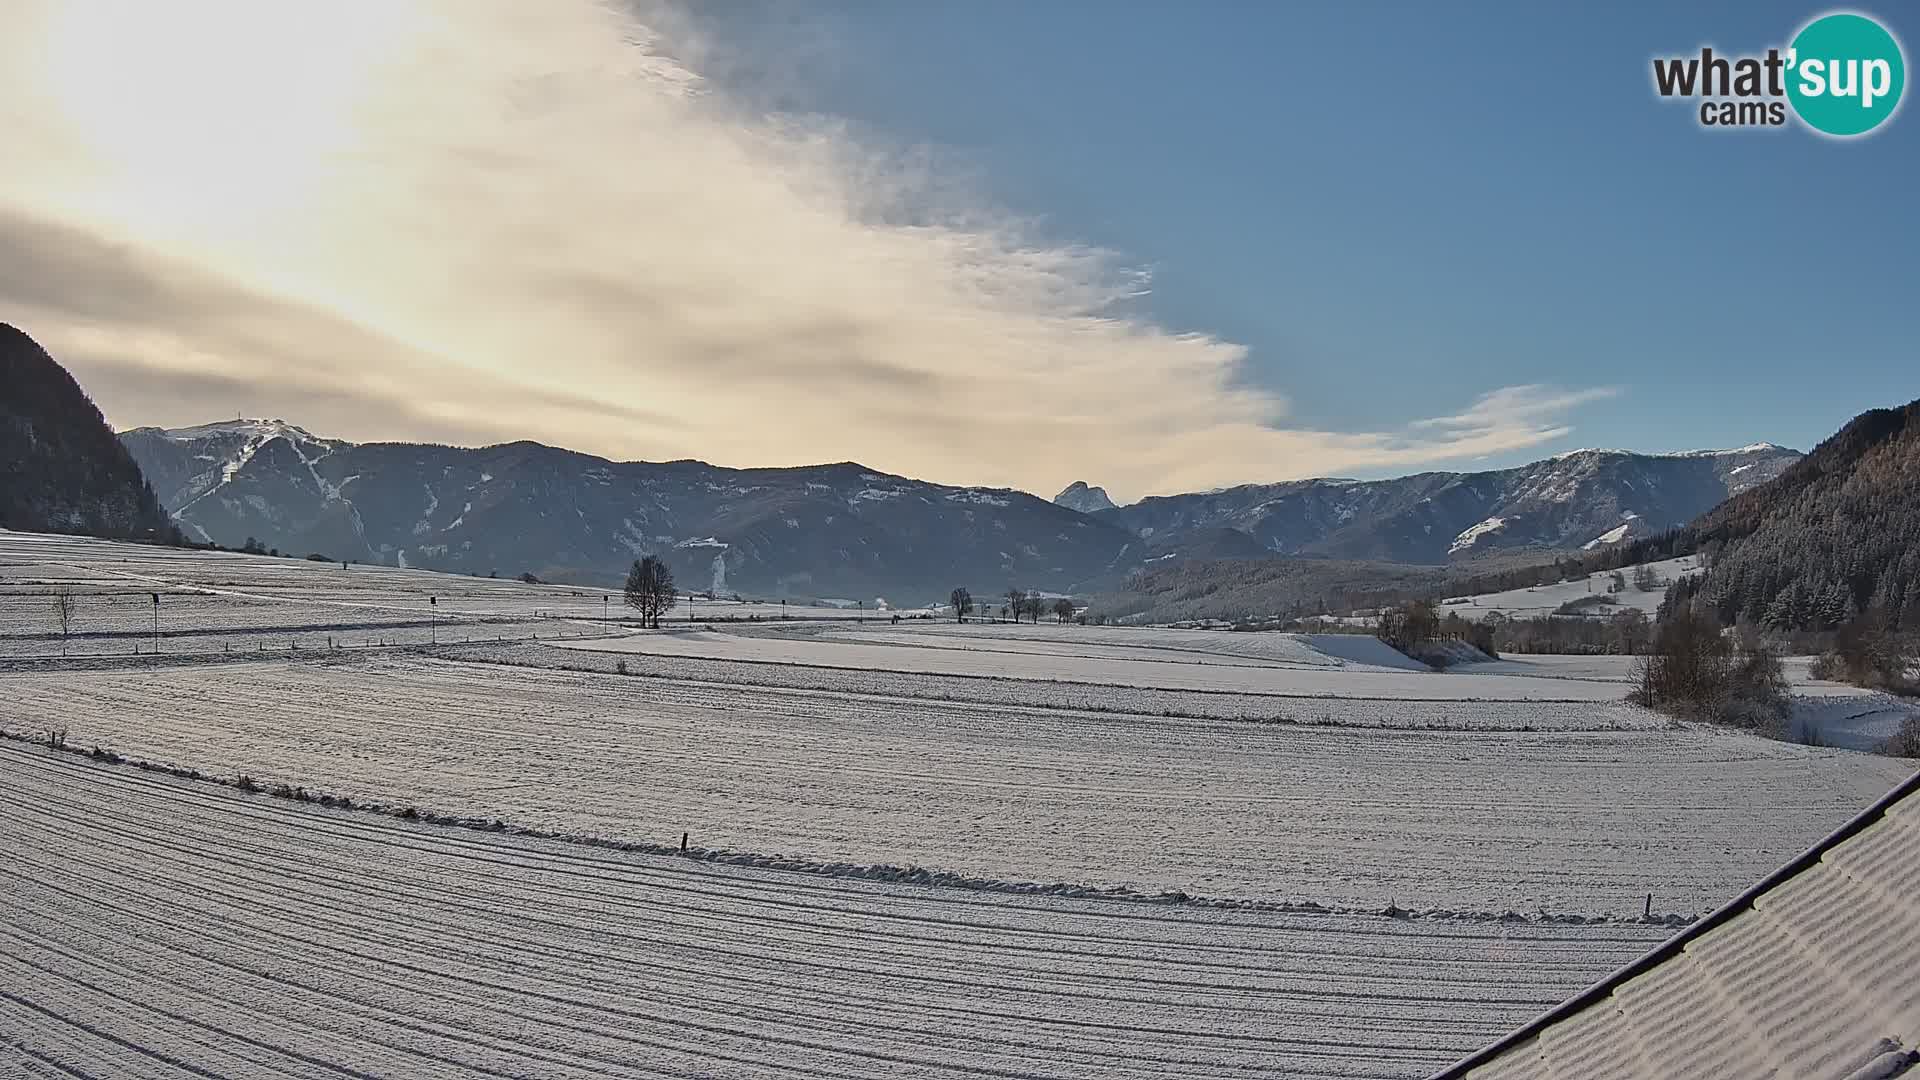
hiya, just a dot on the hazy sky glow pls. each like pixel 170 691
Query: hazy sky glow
pixel 479 220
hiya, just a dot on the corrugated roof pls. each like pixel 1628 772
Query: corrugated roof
pixel 1814 972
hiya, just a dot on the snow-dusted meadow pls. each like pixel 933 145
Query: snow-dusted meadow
pixel 1565 804
pixel 225 601
pixel 167 928
pixel 1286 789
pixel 1546 599
pixel 1299 665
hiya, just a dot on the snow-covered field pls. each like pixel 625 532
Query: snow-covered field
pixel 1353 709
pixel 1289 787
pixel 223 601
pixel 1545 599
pixel 928 650
pixel 1830 713
pixel 166 928
pixel 1577 822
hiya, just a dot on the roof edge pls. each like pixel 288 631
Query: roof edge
pixel 1673 945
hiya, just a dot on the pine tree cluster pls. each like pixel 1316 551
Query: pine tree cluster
pixel 61 467
pixel 1831 540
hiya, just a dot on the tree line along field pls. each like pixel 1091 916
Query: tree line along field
pixel 170 928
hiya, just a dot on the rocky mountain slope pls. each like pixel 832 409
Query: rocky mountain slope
pixel 1087 500
pixel 61 469
pixel 1585 499
pixel 818 531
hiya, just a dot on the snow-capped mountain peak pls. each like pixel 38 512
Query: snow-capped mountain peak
pixel 243 428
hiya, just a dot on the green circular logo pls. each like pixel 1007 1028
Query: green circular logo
pixel 1845 74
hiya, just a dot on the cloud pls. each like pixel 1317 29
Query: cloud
pixel 478 221
pixel 1510 405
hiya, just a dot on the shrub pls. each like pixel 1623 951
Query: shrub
pixel 1694 673
pixel 1580 605
pixel 1827 666
pixel 1906 742
pixel 620 668
pixel 1686 674
pixel 1865 654
pixel 1408 626
pixel 1757 697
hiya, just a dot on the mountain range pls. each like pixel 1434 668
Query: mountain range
pixel 842 530
pixel 1583 499
pixel 845 530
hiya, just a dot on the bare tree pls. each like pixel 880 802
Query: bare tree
pixel 1062 610
pixel 1686 673
pixel 1036 607
pixel 1644 579
pixel 1016 603
pixel 1408 626
pixel 650 590
pixel 962 602
pixel 63 616
pixel 1634 631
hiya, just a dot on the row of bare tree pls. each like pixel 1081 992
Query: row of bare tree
pixel 1020 605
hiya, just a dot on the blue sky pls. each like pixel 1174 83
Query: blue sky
pixel 1394 206
pixel 1381 238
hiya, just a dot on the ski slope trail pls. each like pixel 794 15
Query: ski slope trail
pixel 164 928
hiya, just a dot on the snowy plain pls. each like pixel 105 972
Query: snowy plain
pixel 226 601
pixel 1540 600
pixel 166 928
pixel 1582 822
pixel 928 650
pixel 170 927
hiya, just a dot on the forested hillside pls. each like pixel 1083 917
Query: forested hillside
pixel 61 468
pixel 1835 536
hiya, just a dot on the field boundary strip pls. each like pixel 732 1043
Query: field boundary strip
pixel 883 873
